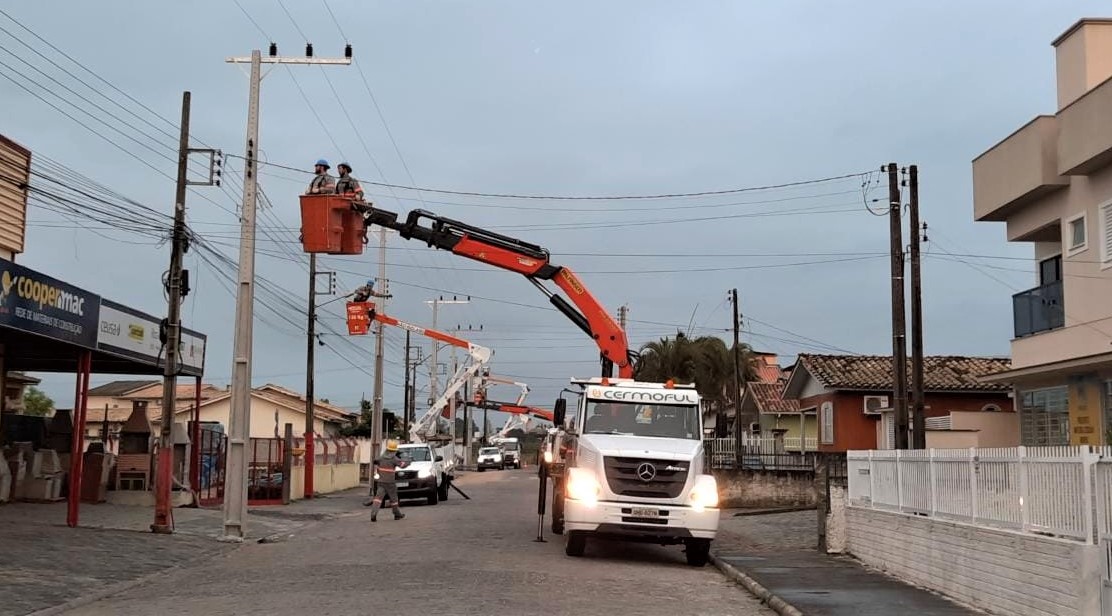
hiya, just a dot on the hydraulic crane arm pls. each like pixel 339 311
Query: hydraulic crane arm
pixel 478 353
pixel 501 380
pixel 526 259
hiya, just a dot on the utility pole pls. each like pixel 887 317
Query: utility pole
pixel 406 395
pixel 737 378
pixel 310 352
pixel 376 416
pixel 239 429
pixel 899 325
pixel 434 368
pixel 173 334
pixel 919 422
pixel 623 315
pixel 177 287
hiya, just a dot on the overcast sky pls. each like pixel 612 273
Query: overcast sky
pixel 561 98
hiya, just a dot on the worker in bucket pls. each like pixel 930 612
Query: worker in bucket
pixel 367 291
pixel 322 184
pixel 386 467
pixel 347 185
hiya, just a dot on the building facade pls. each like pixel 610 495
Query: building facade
pixel 1050 183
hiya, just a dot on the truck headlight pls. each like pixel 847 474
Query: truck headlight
pixel 548 457
pixel 424 473
pixel 583 486
pixel 705 493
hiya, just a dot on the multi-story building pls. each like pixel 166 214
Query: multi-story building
pixel 1050 182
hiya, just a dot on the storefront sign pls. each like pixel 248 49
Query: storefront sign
pixel 36 303
pixel 134 334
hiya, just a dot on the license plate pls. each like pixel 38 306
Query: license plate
pixel 645 513
pixel 403 484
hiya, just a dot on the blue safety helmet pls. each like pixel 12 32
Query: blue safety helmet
pixel 324 163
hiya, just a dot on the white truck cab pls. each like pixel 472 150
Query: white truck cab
pixel 628 464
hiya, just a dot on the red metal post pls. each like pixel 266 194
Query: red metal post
pixel 195 444
pixel 77 449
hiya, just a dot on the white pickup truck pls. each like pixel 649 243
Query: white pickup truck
pixel 425 474
pixel 628 464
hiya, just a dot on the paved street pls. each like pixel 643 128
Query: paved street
pixel 458 557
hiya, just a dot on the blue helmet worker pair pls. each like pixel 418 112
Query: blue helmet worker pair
pixel 324 163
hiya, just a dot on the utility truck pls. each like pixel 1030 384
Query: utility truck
pixel 642 477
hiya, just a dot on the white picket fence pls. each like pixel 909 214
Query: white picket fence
pixel 1062 491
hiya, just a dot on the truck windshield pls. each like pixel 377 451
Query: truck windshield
pixel 489 451
pixel 416 454
pixel 663 421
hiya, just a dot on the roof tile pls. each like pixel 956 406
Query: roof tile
pixel 874 372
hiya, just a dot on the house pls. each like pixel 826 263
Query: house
pixel 1050 183
pixel 272 406
pixel 780 418
pixel 767 368
pixel 113 403
pixel 851 396
pixel 15 384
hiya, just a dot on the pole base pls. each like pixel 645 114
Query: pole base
pixel 161 529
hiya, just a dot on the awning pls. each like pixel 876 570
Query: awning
pixel 1051 370
pixel 45 325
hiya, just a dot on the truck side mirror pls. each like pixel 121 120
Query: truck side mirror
pixel 439 458
pixel 559 412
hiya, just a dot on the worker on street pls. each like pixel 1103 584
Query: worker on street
pixel 367 291
pixel 347 185
pixel 322 184
pixel 387 466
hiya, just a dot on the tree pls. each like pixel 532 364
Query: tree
pixel 706 361
pixel 364 426
pixel 36 402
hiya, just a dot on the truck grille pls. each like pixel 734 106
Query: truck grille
pixel 622 476
pixel 406 475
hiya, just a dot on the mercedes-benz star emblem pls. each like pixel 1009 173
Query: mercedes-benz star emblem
pixel 646 472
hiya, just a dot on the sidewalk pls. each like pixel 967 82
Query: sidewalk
pixel 776 552
pixel 45 564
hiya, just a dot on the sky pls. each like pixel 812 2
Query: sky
pixel 550 99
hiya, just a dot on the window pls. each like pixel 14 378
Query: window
pixel 1050 270
pixel 1076 236
pixel 826 420
pixel 1044 416
pixel 1106 235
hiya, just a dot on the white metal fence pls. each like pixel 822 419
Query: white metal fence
pixel 759 452
pixel 1062 491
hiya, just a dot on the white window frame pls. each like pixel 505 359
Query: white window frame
pixel 1105 255
pixel 826 416
pixel 1067 242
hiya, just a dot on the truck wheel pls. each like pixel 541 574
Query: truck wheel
pixel 557 512
pixel 698 552
pixel 432 500
pixel 575 543
pixel 442 491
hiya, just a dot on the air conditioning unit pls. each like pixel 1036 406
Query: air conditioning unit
pixel 873 404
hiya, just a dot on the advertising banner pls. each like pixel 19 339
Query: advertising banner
pixel 39 304
pixel 131 333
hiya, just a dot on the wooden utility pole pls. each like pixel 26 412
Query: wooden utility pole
pixel 163 468
pixel 919 422
pixel 736 396
pixel 407 393
pixel 899 325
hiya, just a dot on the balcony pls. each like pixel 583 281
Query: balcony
pixel 1018 170
pixel 1039 310
pixel 1085 134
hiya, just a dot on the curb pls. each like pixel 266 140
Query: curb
pixel 765 595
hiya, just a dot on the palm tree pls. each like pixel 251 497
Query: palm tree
pixel 707 361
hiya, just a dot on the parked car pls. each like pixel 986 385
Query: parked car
pixel 491 457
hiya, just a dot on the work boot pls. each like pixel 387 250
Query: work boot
pixel 374 518
pixel 399 516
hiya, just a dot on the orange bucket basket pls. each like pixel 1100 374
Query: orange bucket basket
pixel 329 225
pixel 358 317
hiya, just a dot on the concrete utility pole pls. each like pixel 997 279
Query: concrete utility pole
pixel 919 422
pixel 623 315
pixel 406 392
pixel 176 288
pixel 434 386
pixel 383 283
pixel 239 430
pixel 899 325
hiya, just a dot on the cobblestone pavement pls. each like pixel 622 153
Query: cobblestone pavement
pixel 772 532
pixel 44 564
pixel 458 557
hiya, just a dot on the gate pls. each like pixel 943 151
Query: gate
pixel 265 478
pixel 214 449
